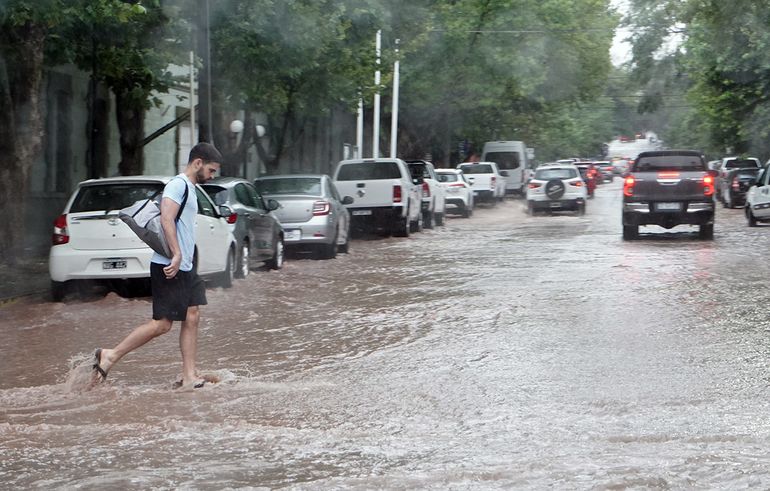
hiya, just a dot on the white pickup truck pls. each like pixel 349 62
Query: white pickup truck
pixel 433 193
pixel 487 181
pixel 386 197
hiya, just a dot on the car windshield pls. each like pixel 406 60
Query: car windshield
pixel 419 170
pixel 448 177
pixel 109 197
pixel 310 186
pixel 546 174
pixel 738 163
pixel 669 162
pixel 477 169
pixel 369 171
pixel 218 194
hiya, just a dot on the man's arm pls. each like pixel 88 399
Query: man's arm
pixel 168 212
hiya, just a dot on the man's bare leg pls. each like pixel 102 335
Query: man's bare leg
pixel 138 337
pixel 188 344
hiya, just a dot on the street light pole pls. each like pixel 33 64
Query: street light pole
pixel 376 136
pixel 394 118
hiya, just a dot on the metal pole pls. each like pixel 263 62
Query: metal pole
pixel 192 99
pixel 394 118
pixel 360 130
pixel 376 136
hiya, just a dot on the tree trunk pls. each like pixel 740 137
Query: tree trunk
pixel 21 131
pixel 130 118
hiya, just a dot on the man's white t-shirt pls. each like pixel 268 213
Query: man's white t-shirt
pixel 185 226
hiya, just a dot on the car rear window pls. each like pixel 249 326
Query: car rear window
pixel 369 171
pixel 747 173
pixel 546 174
pixel 448 177
pixel 419 170
pixel 291 185
pixel 110 197
pixel 738 163
pixel 218 194
pixel 477 169
pixel 669 162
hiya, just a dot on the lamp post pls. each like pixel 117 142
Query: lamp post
pixel 236 129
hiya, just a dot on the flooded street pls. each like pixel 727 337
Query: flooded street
pixel 500 351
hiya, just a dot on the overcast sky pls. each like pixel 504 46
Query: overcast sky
pixel 621 50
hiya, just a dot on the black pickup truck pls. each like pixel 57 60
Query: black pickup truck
pixel 669 188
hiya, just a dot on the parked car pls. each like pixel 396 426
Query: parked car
pixel 607 170
pixel 311 211
pixel 257 231
pixel 386 197
pixel 757 207
pixel 459 194
pixel 433 195
pixel 736 185
pixel 486 180
pixel 669 188
pixel 556 187
pixel 90 242
pixel 730 163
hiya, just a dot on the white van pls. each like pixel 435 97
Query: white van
pixel 511 156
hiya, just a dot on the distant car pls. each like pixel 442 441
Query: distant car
pixel 311 211
pixel 729 163
pixel 486 180
pixel 433 195
pixel 459 194
pixel 736 185
pixel 556 187
pixel 256 229
pixel 90 242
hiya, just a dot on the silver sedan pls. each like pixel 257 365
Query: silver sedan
pixel 312 213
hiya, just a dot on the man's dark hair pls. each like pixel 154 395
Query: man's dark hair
pixel 206 152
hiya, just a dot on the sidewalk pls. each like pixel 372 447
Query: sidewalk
pixel 28 277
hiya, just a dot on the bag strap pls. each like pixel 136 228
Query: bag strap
pixel 184 200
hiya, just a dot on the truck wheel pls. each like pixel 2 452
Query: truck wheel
pixel 427 219
pixel 439 219
pixel 706 231
pixel 59 290
pixel 416 226
pixel 750 218
pixel 401 227
pixel 630 232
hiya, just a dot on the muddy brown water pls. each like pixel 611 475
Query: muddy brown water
pixel 500 351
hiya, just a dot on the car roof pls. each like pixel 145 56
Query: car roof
pixel 665 153
pixel 556 165
pixel 119 179
pixel 453 171
pixel 476 163
pixel 292 176
pixel 225 181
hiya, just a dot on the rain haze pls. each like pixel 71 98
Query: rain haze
pixel 408 245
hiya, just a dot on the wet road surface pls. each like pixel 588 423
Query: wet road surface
pixel 501 351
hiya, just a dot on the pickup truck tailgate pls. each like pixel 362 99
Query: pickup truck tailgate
pixel 372 193
pixel 675 186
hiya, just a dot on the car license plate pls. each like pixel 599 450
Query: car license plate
pixel 359 213
pixel 294 234
pixel 114 264
pixel 555 204
pixel 668 206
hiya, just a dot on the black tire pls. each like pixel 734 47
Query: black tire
pixel 226 278
pixel 417 225
pixel 427 219
pixel 276 262
pixel 581 209
pixel 750 218
pixel 706 231
pixel 630 232
pixel 59 290
pixel 329 251
pixel 244 263
pixel 344 248
pixel 439 219
pixel 401 227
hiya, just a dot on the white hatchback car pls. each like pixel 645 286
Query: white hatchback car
pixel 459 194
pixel 90 242
pixel 556 187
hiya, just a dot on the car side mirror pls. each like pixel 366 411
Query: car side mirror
pixel 347 200
pixel 272 205
pixel 504 173
pixel 225 211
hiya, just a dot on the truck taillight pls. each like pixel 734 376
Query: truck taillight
pixel 708 185
pixel 425 190
pixel 736 184
pixel 534 185
pixel 60 232
pixel 628 186
pixel 321 208
pixel 492 181
pixel 397 194
pixel 577 184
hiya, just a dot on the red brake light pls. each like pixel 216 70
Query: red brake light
pixel 628 186
pixel 668 175
pixel 232 218
pixel 321 208
pixel 577 183
pixel 708 180
pixel 397 195
pixel 736 184
pixel 708 185
pixel 534 185
pixel 492 181
pixel 425 190
pixel 60 232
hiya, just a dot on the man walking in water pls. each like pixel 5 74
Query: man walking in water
pixel 177 291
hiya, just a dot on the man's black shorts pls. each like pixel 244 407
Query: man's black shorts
pixel 170 298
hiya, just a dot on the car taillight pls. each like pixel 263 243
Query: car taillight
pixel 628 186
pixel 534 185
pixel 232 218
pixel 321 208
pixel 397 196
pixel 60 232
pixel 668 175
pixel 492 181
pixel 425 190
pixel 736 184
pixel 576 183
pixel 708 185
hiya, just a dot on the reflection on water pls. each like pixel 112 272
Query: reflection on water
pixel 504 351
